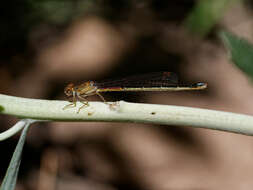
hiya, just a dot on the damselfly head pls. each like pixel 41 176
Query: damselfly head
pixel 69 89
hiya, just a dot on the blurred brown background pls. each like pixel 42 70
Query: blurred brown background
pixel 44 45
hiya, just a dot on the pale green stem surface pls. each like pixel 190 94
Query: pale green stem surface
pixel 16 128
pixel 127 112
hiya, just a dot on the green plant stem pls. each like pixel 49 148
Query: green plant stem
pixel 16 128
pixel 127 112
pixel 13 130
pixel 10 179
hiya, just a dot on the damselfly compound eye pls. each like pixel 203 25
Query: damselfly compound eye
pixel 69 89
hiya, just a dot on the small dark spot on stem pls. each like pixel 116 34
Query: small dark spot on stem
pixel 153 113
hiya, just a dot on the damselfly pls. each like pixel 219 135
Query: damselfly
pixel 160 81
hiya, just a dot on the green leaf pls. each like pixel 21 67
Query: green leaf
pixel 240 50
pixel 205 15
pixel 10 178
